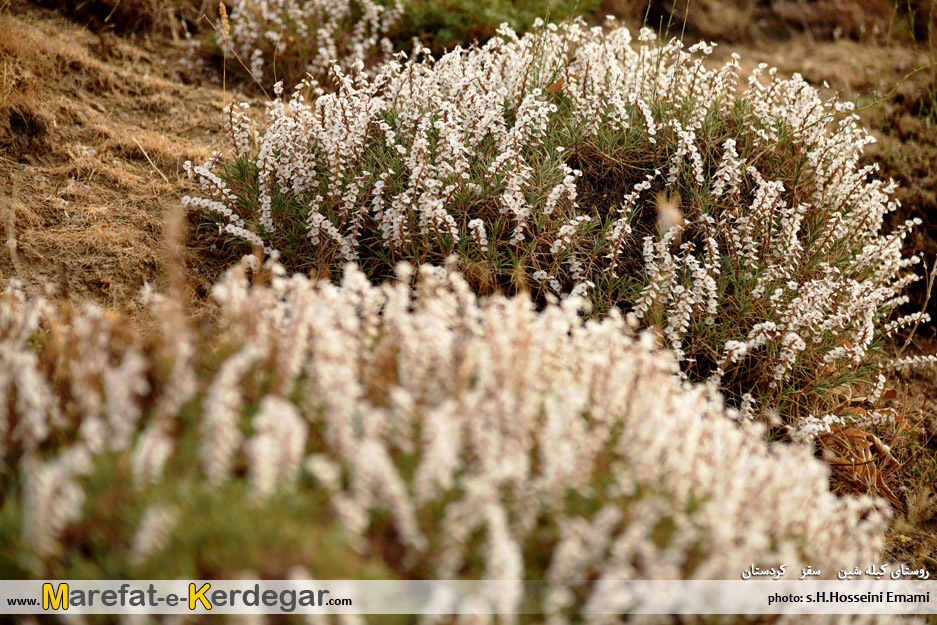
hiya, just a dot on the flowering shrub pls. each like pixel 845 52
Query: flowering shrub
pixel 277 38
pixel 285 39
pixel 574 160
pixel 421 432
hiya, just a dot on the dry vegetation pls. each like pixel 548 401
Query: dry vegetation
pixel 95 127
pixel 94 130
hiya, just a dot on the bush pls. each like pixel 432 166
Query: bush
pixel 285 39
pixel 271 40
pixel 571 160
pixel 425 434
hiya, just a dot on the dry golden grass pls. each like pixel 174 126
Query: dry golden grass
pixel 131 16
pixel 913 535
pixel 752 21
pixel 93 133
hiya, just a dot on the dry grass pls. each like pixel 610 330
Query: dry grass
pixel 913 535
pixel 752 21
pixel 94 130
pixel 132 16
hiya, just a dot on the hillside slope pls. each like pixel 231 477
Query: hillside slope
pixel 94 129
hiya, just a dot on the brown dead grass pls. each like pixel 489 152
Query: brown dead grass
pixel 749 21
pixel 913 534
pixel 896 460
pixel 171 17
pixel 94 130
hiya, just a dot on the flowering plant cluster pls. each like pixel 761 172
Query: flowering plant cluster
pixel 572 160
pixel 423 431
pixel 286 39
pixel 292 37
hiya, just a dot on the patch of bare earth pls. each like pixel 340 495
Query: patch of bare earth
pixel 94 129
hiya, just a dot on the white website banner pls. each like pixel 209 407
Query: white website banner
pixel 467 597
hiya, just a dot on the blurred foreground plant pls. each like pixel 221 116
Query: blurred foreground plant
pixel 406 430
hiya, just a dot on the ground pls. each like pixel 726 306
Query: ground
pixel 95 128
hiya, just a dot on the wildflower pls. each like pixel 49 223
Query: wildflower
pixel 479 146
pixel 421 409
